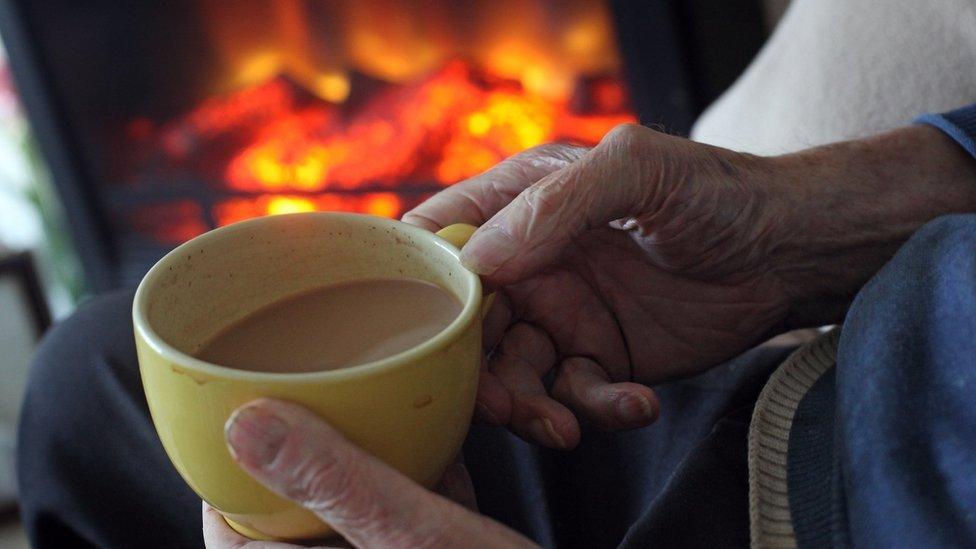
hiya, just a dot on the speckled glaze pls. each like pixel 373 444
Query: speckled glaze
pixel 411 410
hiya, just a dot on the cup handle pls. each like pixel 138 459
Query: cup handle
pixel 458 234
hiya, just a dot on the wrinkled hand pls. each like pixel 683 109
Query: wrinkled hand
pixel 639 260
pixel 297 455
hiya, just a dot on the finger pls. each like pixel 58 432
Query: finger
pixel 574 316
pixel 295 454
pixel 456 485
pixel 475 200
pixel 584 386
pixel 612 180
pixel 523 358
pixel 497 320
pixel 292 452
pixel 218 535
pixel 493 403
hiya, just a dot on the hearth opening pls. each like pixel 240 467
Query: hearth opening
pixel 362 106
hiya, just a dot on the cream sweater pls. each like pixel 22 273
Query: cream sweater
pixel 841 69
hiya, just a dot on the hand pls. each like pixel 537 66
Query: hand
pixel 651 257
pixel 298 456
pixel 676 284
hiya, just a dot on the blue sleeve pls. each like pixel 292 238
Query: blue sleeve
pixel 959 124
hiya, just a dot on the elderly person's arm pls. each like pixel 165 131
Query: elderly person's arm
pixel 651 257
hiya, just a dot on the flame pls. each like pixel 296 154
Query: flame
pixel 332 87
pixel 451 125
pixel 379 104
pixel 455 122
pixel 239 209
pixel 382 204
pixel 543 45
pixel 286 205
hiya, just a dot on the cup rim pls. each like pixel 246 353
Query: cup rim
pixel 469 311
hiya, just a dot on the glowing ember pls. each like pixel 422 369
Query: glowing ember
pixel 286 156
pixel 382 204
pixel 280 149
pixel 249 107
pixel 238 209
pixel 458 122
pixel 286 205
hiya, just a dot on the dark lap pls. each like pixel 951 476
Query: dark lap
pixel 91 468
pixel 93 472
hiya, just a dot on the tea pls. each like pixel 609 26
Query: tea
pixel 335 326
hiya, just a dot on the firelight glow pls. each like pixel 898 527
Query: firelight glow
pixel 373 111
pixel 458 125
pixel 285 205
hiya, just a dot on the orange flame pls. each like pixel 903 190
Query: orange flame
pixel 378 104
pixel 458 125
pixel 239 209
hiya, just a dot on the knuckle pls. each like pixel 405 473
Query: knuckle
pixel 545 198
pixel 575 365
pixel 558 151
pixel 528 343
pixel 541 160
pixel 521 334
pixel 336 489
pixel 322 482
pixel 544 150
pixel 626 136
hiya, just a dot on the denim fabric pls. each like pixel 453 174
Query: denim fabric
pixel 959 124
pixel 906 395
pixel 883 448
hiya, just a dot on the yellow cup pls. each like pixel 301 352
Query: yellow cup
pixel 411 410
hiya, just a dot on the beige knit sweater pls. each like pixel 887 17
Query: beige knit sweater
pixel 840 69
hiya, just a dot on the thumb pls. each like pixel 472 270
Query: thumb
pixel 614 179
pixel 294 453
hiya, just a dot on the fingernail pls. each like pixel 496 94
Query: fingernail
pixel 541 429
pixel 255 435
pixel 633 407
pixel 486 414
pixel 491 247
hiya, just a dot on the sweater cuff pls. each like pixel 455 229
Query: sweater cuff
pixel 959 124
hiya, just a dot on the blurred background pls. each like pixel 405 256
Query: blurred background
pixel 128 128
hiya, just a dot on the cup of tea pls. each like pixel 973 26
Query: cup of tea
pixel 306 308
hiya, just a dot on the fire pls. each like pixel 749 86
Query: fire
pixel 332 87
pixel 452 125
pixel 285 205
pixel 380 204
pixel 376 106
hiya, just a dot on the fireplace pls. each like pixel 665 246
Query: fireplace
pixel 162 120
